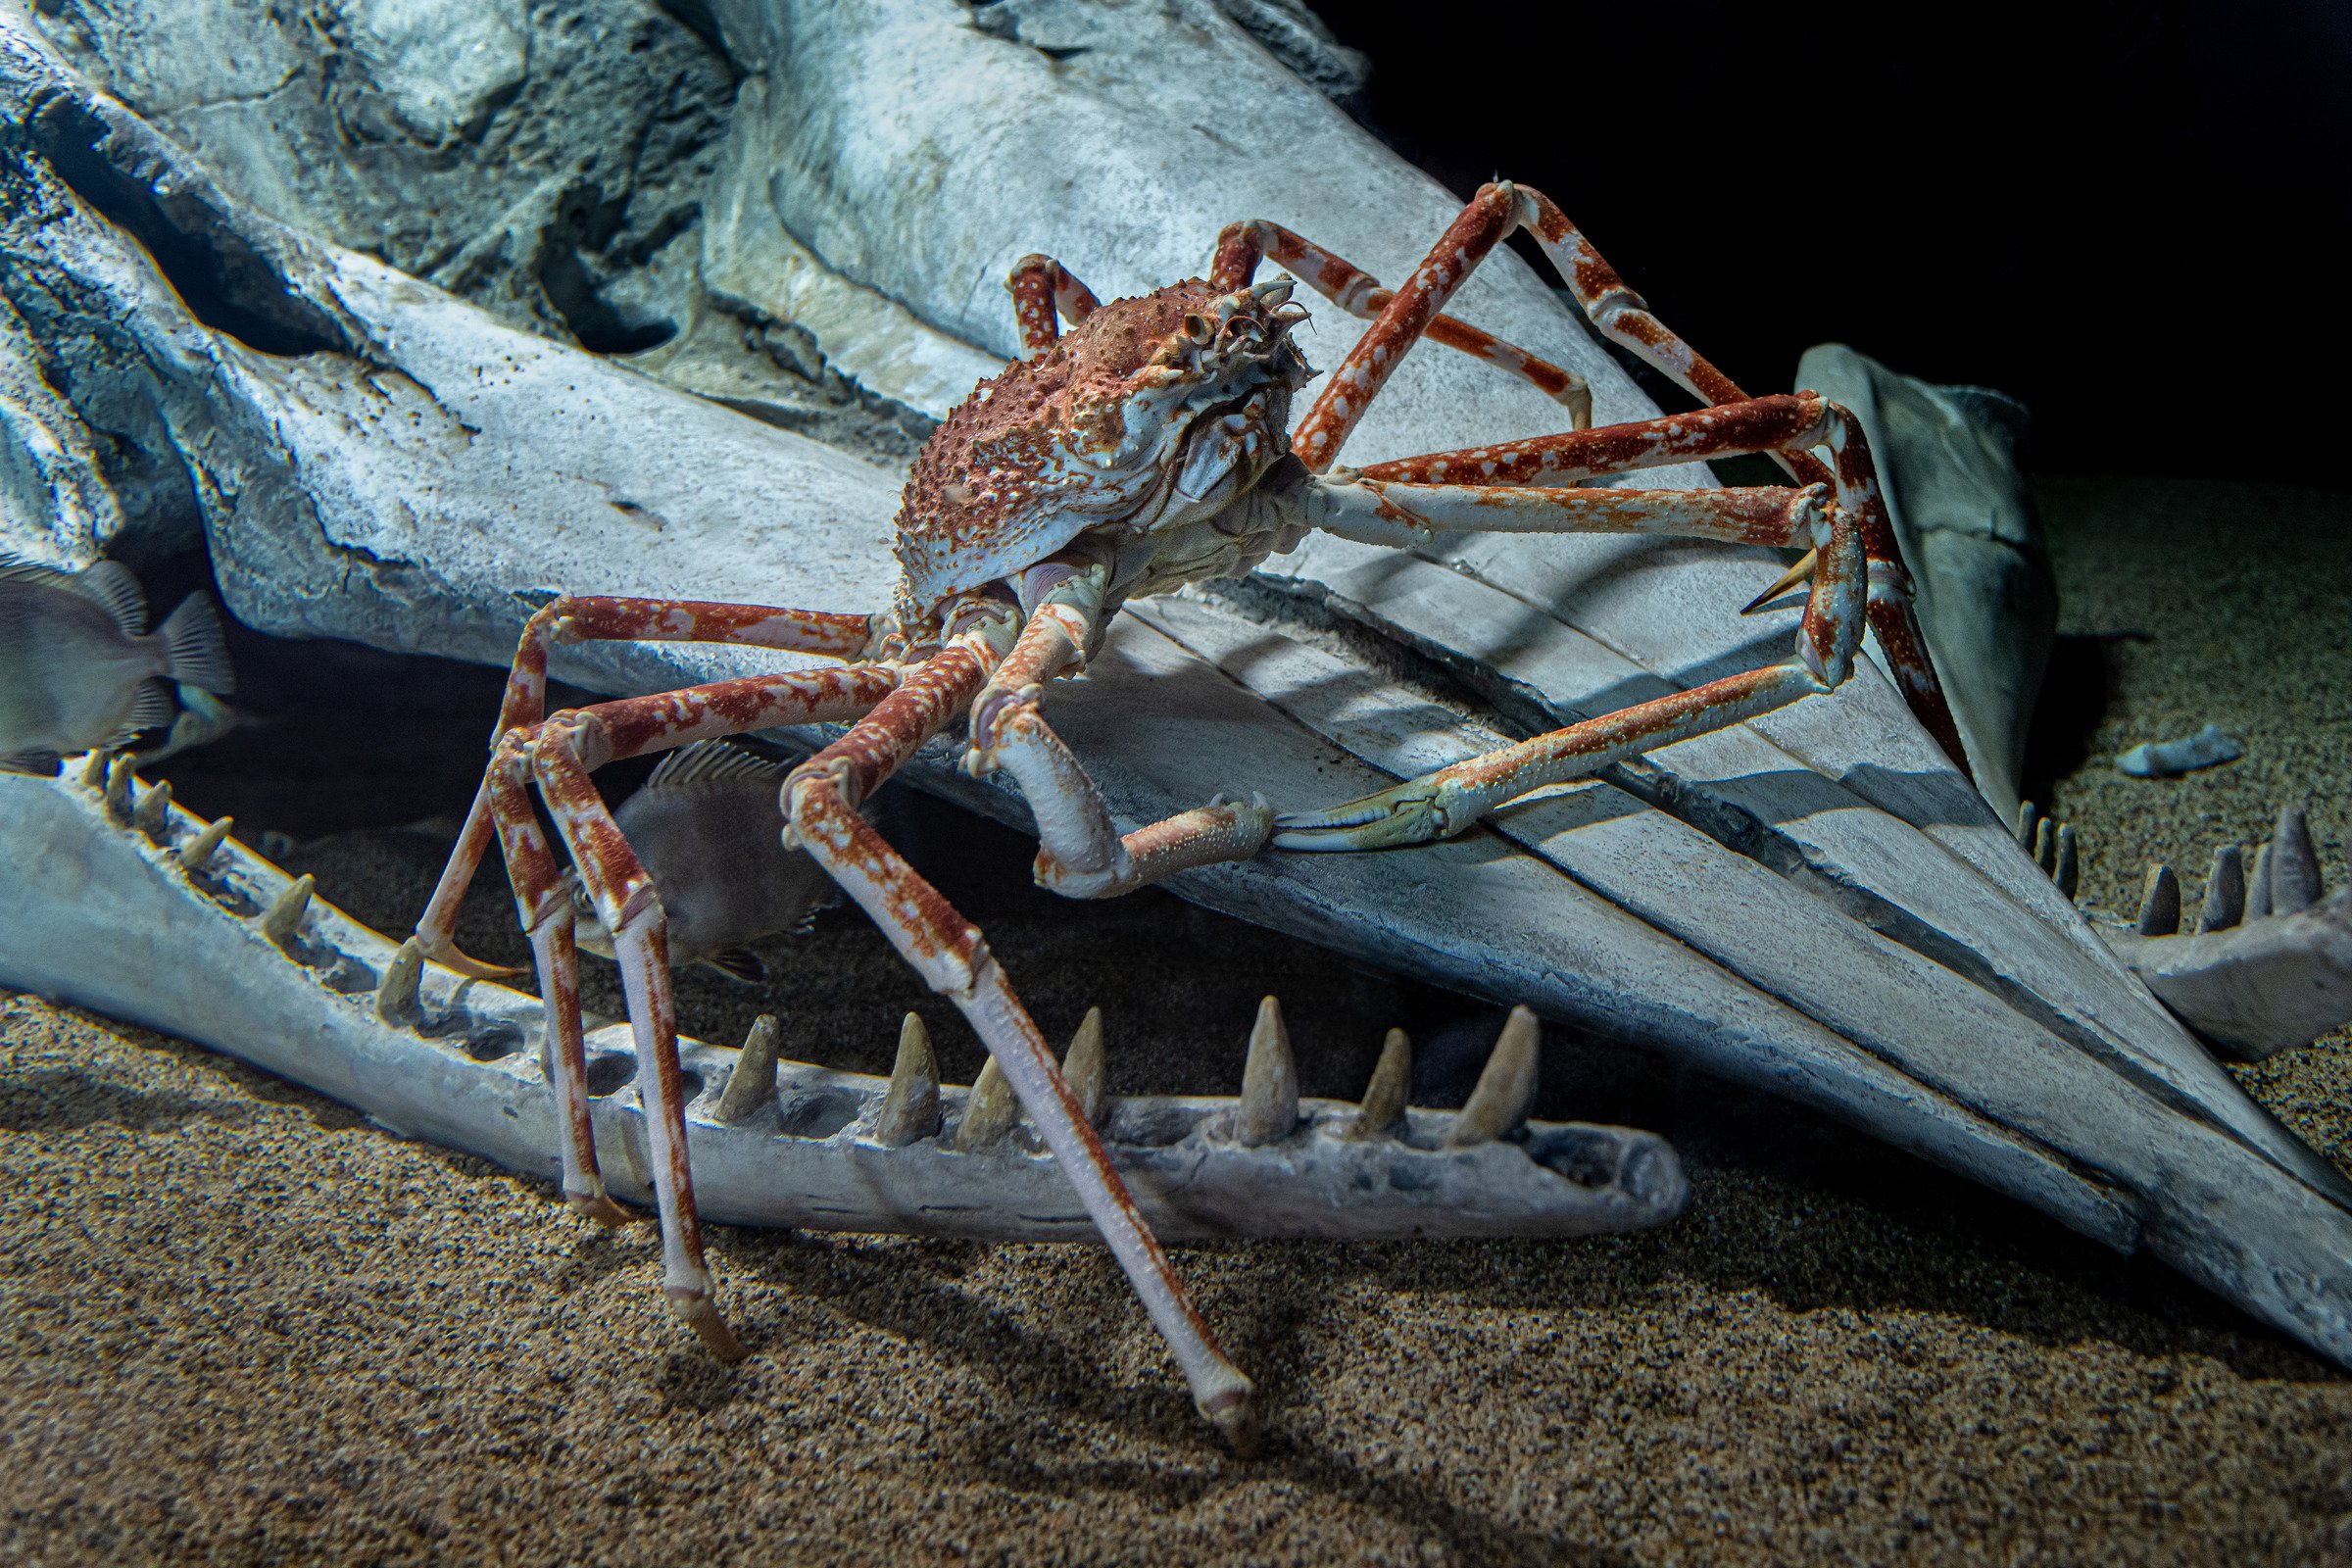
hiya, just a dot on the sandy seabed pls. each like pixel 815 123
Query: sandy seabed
pixel 242 1326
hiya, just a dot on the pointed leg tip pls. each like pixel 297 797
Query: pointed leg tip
pixel 695 1310
pixel 600 1207
pixel 1232 1411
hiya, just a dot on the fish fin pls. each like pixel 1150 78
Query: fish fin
pixel 712 762
pixel 43 762
pixel 151 709
pixel 23 568
pixel 740 963
pixel 197 652
pixel 110 586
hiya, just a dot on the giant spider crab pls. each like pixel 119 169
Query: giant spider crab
pixel 1143 450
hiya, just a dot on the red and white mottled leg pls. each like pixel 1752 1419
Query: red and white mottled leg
pixel 502 806
pixel 561 753
pixel 1242 246
pixel 595 618
pixel 821 799
pixel 1498 210
pixel 1042 289
pixel 1081 852
pixel 1444 802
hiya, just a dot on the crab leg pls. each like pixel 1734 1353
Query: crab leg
pixel 1080 854
pixel 1491 216
pixel 821 799
pixel 596 617
pixel 561 752
pixel 1243 245
pixel 1041 287
pixel 1444 802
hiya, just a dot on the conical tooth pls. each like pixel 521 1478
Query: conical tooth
pixel 2257 884
pixel 2159 902
pixel 197 852
pixel 2068 873
pixel 119 780
pixel 1384 1096
pixel 2046 846
pixel 2029 821
pixel 2294 864
pixel 909 1109
pixel 284 918
pixel 989 1111
pixel 395 993
pixel 93 769
pixel 1082 1068
pixel 1270 1106
pixel 752 1083
pixel 2224 890
pixel 152 815
pixel 1505 1091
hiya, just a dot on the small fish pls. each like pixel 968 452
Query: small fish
pixel 707 829
pixel 78 669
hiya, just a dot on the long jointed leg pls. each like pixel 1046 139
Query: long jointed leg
pixel 1413 311
pixel 821 799
pixel 592 618
pixel 561 754
pixel 1045 294
pixel 1357 292
pixel 1449 800
pixel 1081 852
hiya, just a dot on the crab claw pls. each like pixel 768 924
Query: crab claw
pixel 1416 812
pixel 1273 291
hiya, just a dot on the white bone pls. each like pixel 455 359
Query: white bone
pixel 1813 905
pixel 469 1077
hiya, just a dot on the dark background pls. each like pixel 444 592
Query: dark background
pixel 2131 215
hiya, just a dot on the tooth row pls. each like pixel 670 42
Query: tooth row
pixel 2286 879
pixel 2053 846
pixel 1266 1112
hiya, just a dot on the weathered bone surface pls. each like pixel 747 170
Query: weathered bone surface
pixel 2262 973
pixel 1814 905
pixel 254 966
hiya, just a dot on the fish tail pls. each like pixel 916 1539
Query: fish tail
pixel 195 653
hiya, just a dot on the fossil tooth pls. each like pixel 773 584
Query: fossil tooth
pixel 119 780
pixel 2029 819
pixel 2159 902
pixel 93 771
pixel 396 994
pixel 283 919
pixel 2068 871
pixel 2224 891
pixel 752 1083
pixel 1082 1068
pixel 152 815
pixel 1384 1096
pixel 2045 847
pixel 197 852
pixel 2294 864
pixel 909 1109
pixel 2257 884
pixel 989 1111
pixel 1270 1106
pixel 1505 1091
